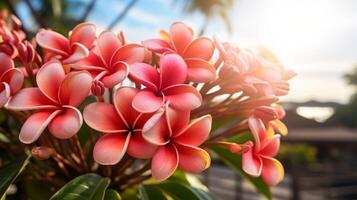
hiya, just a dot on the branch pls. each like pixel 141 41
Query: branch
pixel 88 10
pixel 34 13
pixel 121 16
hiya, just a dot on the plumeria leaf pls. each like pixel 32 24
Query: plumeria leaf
pixel 235 162
pixel 9 173
pixel 111 194
pixel 150 192
pixel 85 187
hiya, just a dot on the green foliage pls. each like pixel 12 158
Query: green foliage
pixel 297 153
pixel 111 194
pixel 85 187
pixel 235 162
pixel 9 173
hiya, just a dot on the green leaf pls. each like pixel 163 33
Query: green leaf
pixel 150 192
pixel 111 194
pixel 9 173
pixel 85 187
pixel 235 162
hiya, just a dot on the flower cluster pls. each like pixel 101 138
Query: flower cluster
pixel 154 100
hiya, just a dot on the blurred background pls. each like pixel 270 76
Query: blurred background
pixel 317 39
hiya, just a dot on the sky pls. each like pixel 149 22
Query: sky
pixel 317 39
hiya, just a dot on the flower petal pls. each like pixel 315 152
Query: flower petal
pixel 30 99
pixel 164 162
pixel 156 130
pixel 258 130
pixel 103 117
pixel 177 119
pixel 49 78
pixel 173 70
pixel 79 52
pixel 15 79
pixel 35 125
pixel 53 41
pixel 75 88
pixel 108 43
pixel 83 33
pixel 196 132
pixel 140 148
pixel 145 74
pixel 130 53
pixel 6 63
pixel 4 94
pixel 110 148
pixel 181 36
pixel 183 97
pixel 123 98
pixel 251 163
pixel 192 159
pixel 67 123
pixel 199 70
pixel 279 126
pixel 158 45
pixel 119 72
pixel 273 171
pixel 146 101
pixel 202 48
pixel 271 148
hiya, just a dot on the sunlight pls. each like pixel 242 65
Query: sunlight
pixel 319 114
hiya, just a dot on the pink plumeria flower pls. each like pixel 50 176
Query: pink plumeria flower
pixel 163 85
pixel 109 61
pixel 122 125
pixel 259 159
pixel 196 52
pixel 178 142
pixel 55 100
pixel 81 39
pixel 11 79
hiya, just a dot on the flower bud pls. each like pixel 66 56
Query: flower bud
pixel 97 88
pixel 266 113
pixel 42 152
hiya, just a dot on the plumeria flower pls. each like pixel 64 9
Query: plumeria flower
pixel 11 79
pixel 178 142
pixel 259 159
pixel 81 39
pixel 122 125
pixel 165 84
pixel 109 61
pixel 196 52
pixel 55 100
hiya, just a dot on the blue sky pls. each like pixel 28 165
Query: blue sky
pixel 317 39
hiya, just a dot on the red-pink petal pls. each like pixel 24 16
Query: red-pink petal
pixel 201 48
pixel 251 163
pixel 67 123
pixel 258 130
pixel 103 117
pixel 108 43
pixel 110 148
pixel 53 41
pixel 173 70
pixel 181 36
pixel 118 73
pixel 272 172
pixel 123 98
pixel 83 33
pixel 164 162
pixel 130 53
pixel 30 99
pixel 192 159
pixel 176 119
pixel 158 45
pixel 35 125
pixel 183 97
pixel 15 79
pixel 196 132
pixel 6 63
pixel 199 70
pixel 271 147
pixel 75 88
pixel 49 78
pixel 79 52
pixel 146 101
pixel 140 148
pixel 156 130
pixel 145 74
pixel 4 93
